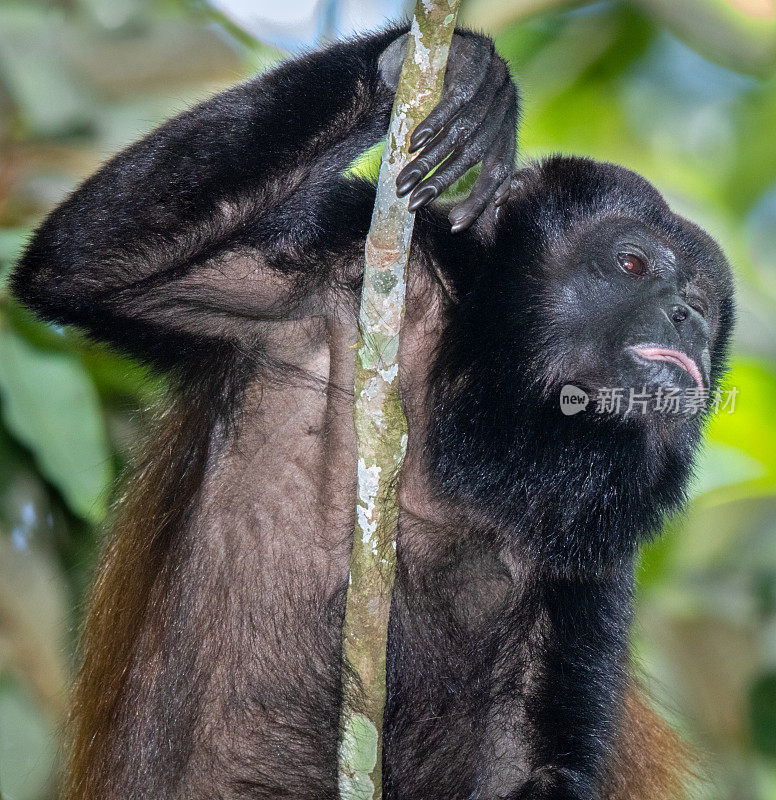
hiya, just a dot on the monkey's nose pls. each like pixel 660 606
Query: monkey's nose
pixel 679 313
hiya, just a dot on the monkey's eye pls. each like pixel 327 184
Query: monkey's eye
pixel 697 305
pixel 632 264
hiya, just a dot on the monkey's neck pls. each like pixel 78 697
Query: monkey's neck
pixel 574 492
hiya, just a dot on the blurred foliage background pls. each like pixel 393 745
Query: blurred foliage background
pixel 682 91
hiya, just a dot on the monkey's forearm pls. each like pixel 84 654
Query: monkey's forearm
pixel 191 220
pixel 573 693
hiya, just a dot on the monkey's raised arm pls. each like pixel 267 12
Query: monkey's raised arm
pixel 228 214
pixel 176 237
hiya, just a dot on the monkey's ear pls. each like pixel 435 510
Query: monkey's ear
pixel 391 61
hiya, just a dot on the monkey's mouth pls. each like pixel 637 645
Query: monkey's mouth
pixel 677 357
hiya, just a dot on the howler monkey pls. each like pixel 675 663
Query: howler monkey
pixel 226 248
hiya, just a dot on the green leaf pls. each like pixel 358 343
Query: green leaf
pixel 33 633
pixel 50 405
pixel 762 713
pixel 749 428
pixel 724 465
pixel 11 242
pixel 27 744
pixel 367 164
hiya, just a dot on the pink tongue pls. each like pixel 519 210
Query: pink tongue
pixel 674 357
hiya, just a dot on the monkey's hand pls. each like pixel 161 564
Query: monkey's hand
pixel 475 121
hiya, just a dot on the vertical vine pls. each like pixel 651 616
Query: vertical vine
pixel 379 421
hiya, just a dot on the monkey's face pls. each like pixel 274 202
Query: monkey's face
pixel 638 306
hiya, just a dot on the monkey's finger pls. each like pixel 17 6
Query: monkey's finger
pixel 502 193
pixel 467 76
pixel 461 159
pixel 493 183
pixel 505 158
pixel 471 151
pixel 454 151
pixel 476 114
pixel 464 214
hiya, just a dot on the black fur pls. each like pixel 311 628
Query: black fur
pixel 508 641
pixel 555 507
pixel 590 487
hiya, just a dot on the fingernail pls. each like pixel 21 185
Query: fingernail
pixel 461 221
pixel 405 182
pixel 419 138
pixel 421 197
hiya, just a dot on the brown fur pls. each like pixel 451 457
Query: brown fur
pixel 149 516
pixel 650 760
pixel 212 648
